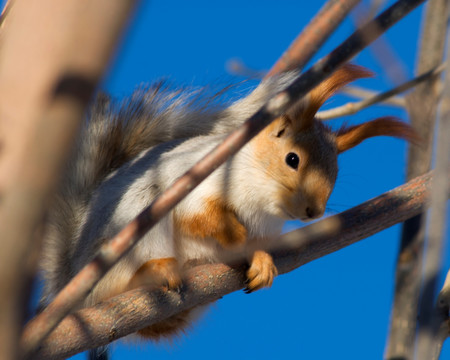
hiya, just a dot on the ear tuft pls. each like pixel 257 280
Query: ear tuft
pixel 280 127
pixel 348 137
pixel 341 77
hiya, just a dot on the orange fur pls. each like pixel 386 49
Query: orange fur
pixel 170 327
pixel 262 271
pixel 322 92
pixel 270 150
pixel 156 273
pixel 348 137
pixel 217 221
pixel 317 178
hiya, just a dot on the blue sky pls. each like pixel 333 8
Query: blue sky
pixel 337 306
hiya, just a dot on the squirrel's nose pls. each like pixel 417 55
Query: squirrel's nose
pixel 313 212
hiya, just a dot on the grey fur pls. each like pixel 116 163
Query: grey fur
pixel 113 134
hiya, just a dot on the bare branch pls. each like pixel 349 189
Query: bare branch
pixel 313 36
pixel 305 45
pixel 375 6
pixel 237 67
pixel 421 106
pixel 85 280
pixel 354 107
pixel 422 102
pixel 430 318
pixel 362 93
pixel 48 71
pixel 381 49
pixel 133 310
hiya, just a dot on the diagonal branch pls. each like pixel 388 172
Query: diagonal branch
pixel 354 107
pixel 381 49
pixel 305 44
pixel 313 36
pixel 362 93
pixel 128 312
pixel 77 289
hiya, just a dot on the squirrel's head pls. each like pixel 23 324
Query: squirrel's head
pixel 298 153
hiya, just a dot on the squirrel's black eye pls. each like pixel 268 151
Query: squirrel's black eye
pixel 292 160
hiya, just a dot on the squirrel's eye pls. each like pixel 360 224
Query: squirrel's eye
pixel 292 160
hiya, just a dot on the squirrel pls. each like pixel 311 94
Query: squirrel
pixel 127 154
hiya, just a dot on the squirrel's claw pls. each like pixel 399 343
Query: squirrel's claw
pixel 261 273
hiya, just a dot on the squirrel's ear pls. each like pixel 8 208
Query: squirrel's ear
pixel 298 116
pixel 280 127
pixel 348 137
pixel 322 92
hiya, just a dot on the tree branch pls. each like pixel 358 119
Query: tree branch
pixel 354 107
pixel 128 312
pixel 381 49
pixel 305 44
pixel 313 36
pixel 362 93
pixel 48 71
pixel 421 106
pixel 77 289
pixel 430 316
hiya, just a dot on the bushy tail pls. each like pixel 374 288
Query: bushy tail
pixel 116 132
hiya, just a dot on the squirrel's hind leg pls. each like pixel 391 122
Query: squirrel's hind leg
pixel 157 273
pixel 162 273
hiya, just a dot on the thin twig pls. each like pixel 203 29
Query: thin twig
pixel 354 107
pixel 313 36
pixel 237 67
pixel 362 94
pixel 77 289
pixel 136 309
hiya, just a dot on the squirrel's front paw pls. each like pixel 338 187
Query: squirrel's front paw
pixel 157 273
pixel 261 273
